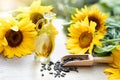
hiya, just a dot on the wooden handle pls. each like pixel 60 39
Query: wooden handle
pixel 103 59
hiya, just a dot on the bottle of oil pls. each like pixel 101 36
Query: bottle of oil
pixel 45 40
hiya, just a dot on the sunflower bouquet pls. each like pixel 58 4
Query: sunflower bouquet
pixel 90 31
pixel 19 34
pixel 87 30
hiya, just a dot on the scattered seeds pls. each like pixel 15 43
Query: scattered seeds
pixel 41 70
pixel 58 70
pixel 49 68
pixel 42 75
pixel 50 72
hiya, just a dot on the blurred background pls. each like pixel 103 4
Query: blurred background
pixel 64 8
pixel 7 5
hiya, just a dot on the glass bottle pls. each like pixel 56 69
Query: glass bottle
pixel 45 40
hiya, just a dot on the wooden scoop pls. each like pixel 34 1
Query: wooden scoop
pixel 84 60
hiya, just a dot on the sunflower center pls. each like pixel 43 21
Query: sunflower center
pixel 85 39
pixel 14 38
pixel 92 18
pixel 39 25
pixel 35 17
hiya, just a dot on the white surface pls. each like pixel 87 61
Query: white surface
pixel 26 68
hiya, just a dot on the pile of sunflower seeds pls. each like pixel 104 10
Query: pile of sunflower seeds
pixel 57 69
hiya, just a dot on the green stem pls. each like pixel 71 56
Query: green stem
pixel 112 40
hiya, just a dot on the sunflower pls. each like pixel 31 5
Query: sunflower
pixel 115 55
pixel 4 42
pixel 81 37
pixel 113 74
pixel 2 39
pixel 1 48
pixel 17 37
pixel 35 12
pixel 93 15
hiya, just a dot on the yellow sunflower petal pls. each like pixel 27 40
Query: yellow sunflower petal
pixel 116 58
pixel 91 48
pixel 12 21
pixel 92 25
pixel 35 4
pixel 26 25
pixel 8 52
pixel 4 42
pixel 28 45
pixel 97 40
pixel 72 40
pixel 1 48
pixel 118 47
pixel 22 51
pixel 71 46
pixel 113 74
pixel 30 34
pixel 86 21
pixel 83 51
pixel 18 54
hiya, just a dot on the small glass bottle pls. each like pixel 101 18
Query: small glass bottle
pixel 44 42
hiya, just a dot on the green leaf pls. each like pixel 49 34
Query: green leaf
pixel 116 10
pixel 104 54
pixel 110 3
pixel 103 7
pixel 104 51
pixel 111 39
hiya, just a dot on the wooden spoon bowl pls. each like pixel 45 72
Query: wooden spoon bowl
pixel 84 60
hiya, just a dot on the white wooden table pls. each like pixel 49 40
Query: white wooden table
pixel 26 68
